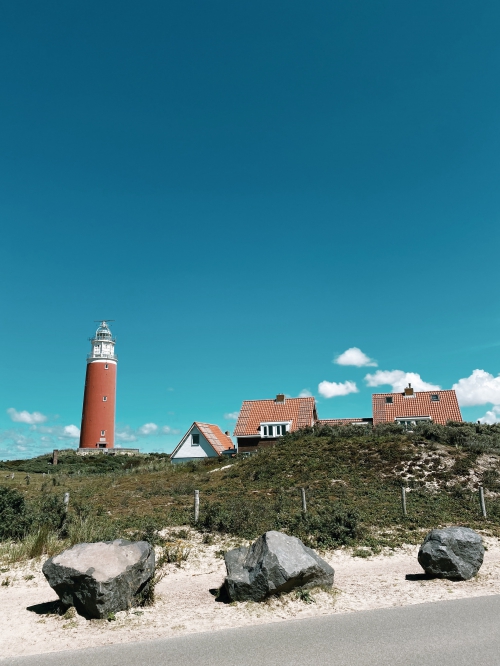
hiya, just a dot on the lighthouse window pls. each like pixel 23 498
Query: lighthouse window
pixel 104 398
pixel 106 366
pixel 103 432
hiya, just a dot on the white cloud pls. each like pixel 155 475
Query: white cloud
pixel 334 389
pixel 478 389
pixel 399 379
pixel 492 416
pixel 305 393
pixel 125 434
pixel 148 429
pixel 26 417
pixel 71 431
pixel 354 356
pixel 232 416
pixel 128 434
pixel 167 430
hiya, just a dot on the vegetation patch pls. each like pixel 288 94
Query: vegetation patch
pixel 352 479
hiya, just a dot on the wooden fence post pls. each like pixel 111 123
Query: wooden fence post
pixel 481 501
pixel 66 502
pixel 403 500
pixel 196 505
pixel 304 505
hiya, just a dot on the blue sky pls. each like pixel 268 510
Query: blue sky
pixel 248 190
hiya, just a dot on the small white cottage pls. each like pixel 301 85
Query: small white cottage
pixel 202 440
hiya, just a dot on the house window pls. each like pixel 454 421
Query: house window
pixel 104 398
pixel 388 400
pixel 195 440
pixel 434 397
pixel 409 422
pixel 274 429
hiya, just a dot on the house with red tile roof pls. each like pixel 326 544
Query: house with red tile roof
pixel 411 406
pixel 202 440
pixel 262 422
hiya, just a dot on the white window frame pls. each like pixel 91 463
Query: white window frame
pixel 268 429
pixel 104 398
pixel 411 421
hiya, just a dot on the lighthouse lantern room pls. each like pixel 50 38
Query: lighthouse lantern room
pixel 98 414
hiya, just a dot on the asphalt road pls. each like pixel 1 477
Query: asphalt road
pixel 445 633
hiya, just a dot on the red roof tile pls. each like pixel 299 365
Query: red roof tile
pixel 300 411
pixel 419 404
pixel 216 438
pixel 213 434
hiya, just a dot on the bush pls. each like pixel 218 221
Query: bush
pixel 16 517
pixel 329 526
pixel 50 512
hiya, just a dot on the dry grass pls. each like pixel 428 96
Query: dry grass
pixel 357 473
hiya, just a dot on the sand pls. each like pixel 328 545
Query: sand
pixel 185 604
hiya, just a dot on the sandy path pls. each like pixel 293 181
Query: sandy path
pixel 185 604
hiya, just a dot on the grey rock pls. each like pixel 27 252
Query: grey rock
pixel 455 553
pixel 275 563
pixel 101 578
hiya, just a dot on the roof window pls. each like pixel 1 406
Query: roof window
pixel 435 397
pixel 388 400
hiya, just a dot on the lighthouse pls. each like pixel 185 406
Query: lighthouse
pixel 98 414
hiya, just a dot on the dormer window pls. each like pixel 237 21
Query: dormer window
pixel 274 429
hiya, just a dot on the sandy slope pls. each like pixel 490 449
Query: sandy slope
pixel 186 605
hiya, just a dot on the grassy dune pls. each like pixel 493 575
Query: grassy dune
pixel 352 479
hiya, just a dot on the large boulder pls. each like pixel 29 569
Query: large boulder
pixel 101 578
pixel 275 563
pixel 455 553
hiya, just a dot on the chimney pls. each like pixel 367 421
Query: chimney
pixel 280 397
pixel 408 390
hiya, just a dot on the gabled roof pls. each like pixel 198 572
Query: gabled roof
pixel 213 434
pixel 419 404
pixel 300 411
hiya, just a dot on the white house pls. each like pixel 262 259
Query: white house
pixel 202 440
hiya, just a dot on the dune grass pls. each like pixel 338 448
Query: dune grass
pixel 352 479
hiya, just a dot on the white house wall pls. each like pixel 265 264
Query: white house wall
pixel 189 452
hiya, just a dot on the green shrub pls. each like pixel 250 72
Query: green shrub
pixel 50 511
pixel 16 516
pixel 329 526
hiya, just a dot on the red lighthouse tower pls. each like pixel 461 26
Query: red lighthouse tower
pixel 98 415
